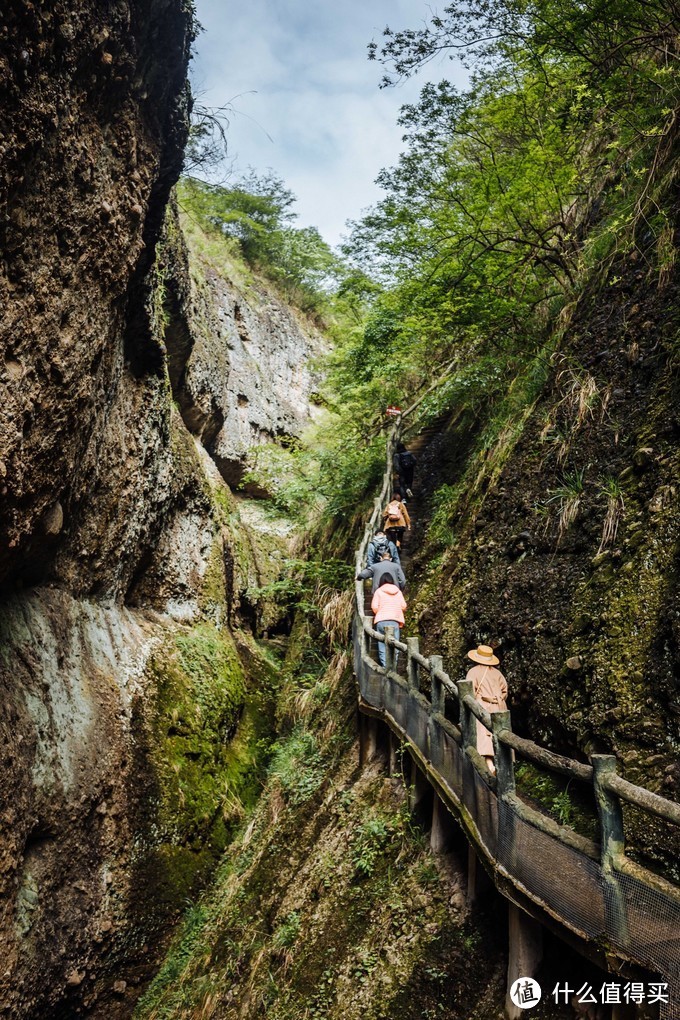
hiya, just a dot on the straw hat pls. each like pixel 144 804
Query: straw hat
pixel 483 654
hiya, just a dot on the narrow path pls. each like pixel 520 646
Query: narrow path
pixel 426 449
pixel 605 904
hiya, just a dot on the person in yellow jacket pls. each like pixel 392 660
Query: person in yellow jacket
pixel 396 518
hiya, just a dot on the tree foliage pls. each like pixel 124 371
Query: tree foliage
pixel 511 195
pixel 257 212
pixel 511 200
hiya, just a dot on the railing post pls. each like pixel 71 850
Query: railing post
pixel 525 953
pixel 612 844
pixel 392 761
pixel 609 811
pixel 418 787
pixel 468 723
pixel 366 638
pixel 439 833
pixel 436 686
pixel 413 669
pixel 389 649
pixel 503 758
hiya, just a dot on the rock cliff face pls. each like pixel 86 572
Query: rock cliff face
pixel 94 121
pixel 129 710
pixel 240 360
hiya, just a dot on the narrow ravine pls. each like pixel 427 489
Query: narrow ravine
pixel 193 395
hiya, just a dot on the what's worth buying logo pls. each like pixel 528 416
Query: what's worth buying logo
pixel 525 993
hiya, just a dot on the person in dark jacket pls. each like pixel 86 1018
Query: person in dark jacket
pixel 377 546
pixel 404 466
pixel 378 571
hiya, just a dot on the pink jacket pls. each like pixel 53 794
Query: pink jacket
pixel 388 604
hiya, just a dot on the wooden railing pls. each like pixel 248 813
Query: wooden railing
pixel 590 892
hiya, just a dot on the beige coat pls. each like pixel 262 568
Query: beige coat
pixel 404 519
pixel 491 689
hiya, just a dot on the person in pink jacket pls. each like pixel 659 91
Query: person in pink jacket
pixel 388 607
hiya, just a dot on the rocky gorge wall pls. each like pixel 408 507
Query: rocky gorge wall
pixel 131 699
pixel 241 359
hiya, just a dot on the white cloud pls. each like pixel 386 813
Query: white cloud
pixel 317 116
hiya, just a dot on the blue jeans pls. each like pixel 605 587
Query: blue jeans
pixel 381 644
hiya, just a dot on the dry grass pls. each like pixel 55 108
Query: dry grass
pixel 550 433
pixel 302 706
pixel 582 400
pixel 568 514
pixel 614 513
pixel 232 806
pixel 276 803
pixel 568 499
pixel 328 730
pixel 337 612
pixel 580 395
pixel 337 668
pixel 305 702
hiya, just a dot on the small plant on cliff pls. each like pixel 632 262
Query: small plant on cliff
pixel 613 494
pixel 288 931
pixel 336 613
pixel 297 766
pixel 563 808
pixel 370 841
pixel 568 499
pixel 580 395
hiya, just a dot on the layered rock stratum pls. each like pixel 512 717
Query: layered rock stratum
pixel 127 713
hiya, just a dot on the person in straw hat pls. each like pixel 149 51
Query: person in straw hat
pixel 491 689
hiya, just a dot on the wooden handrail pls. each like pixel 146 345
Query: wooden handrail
pixel 637 796
pixel 645 799
pixel 478 710
pixel 548 759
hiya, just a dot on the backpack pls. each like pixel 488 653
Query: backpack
pixel 381 546
pixel 406 459
pixel 393 511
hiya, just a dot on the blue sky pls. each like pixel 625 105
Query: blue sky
pixel 308 101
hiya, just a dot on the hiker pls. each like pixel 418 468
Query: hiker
pixel 388 607
pixel 491 689
pixel 378 571
pixel 404 466
pixel 396 518
pixel 378 545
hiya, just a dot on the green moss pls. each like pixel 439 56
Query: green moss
pixel 213 595
pixel 297 767
pixel 200 697
pixel 202 749
pixel 559 797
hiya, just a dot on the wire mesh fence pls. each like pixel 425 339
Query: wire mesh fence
pixel 621 913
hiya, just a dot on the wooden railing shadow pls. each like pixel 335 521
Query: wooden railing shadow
pixel 591 894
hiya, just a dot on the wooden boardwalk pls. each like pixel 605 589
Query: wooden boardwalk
pixel 590 894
